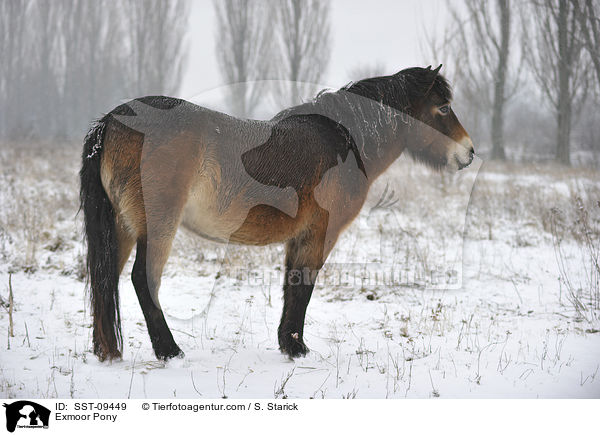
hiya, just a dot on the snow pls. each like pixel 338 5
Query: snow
pixel 504 328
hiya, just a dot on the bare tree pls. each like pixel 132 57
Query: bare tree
pixel 244 43
pixel 487 46
pixel 156 31
pixel 94 71
pixel 65 62
pixel 45 82
pixel 554 54
pixel 14 47
pixel 588 14
pixel 365 70
pixel 442 46
pixel 445 44
pixel 304 45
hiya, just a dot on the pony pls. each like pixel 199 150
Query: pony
pixel 300 178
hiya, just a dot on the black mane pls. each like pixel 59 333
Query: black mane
pixel 403 89
pixel 399 90
pixel 364 106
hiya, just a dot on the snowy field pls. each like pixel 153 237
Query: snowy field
pixel 481 284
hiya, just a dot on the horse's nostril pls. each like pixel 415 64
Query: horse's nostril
pixel 471 154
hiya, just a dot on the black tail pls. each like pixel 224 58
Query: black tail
pixel 102 249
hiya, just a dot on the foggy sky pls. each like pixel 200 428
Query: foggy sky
pixel 376 31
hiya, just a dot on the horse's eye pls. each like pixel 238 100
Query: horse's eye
pixel 444 110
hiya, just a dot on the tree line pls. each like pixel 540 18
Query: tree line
pixel 524 71
pixel 64 62
pixel 285 40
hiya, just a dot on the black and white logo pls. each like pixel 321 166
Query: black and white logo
pixel 26 414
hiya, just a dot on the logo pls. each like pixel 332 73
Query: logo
pixel 25 414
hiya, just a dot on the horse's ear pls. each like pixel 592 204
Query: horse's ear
pixel 435 73
pixel 429 68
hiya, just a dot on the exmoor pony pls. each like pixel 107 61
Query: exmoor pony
pixel 157 162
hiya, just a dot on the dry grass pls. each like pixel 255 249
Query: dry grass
pixel 412 339
pixel 582 224
pixel 39 196
pixel 426 213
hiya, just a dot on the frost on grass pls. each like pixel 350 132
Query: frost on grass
pixel 522 323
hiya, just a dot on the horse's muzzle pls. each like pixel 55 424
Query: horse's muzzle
pixel 462 165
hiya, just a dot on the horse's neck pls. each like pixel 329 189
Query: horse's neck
pixel 379 153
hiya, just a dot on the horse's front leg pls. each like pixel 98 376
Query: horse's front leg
pixel 146 274
pixel 305 256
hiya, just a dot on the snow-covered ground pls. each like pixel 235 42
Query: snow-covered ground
pixel 452 291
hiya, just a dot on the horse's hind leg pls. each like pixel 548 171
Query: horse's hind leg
pixel 147 271
pixel 167 170
pixel 125 242
pixel 305 256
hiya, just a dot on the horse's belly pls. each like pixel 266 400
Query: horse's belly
pixel 245 218
pixel 203 216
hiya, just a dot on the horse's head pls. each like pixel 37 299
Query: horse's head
pixel 438 137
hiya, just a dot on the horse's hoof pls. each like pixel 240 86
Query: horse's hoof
pixel 105 354
pixel 292 346
pixel 168 354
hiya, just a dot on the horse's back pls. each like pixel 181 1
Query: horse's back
pixel 167 161
pixel 162 155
